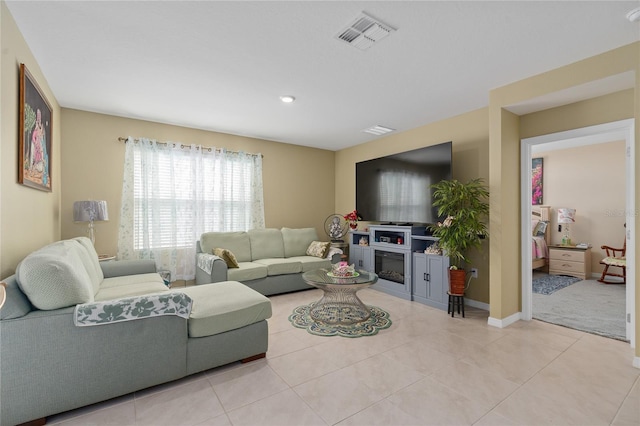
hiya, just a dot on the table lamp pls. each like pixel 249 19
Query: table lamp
pixel 90 211
pixel 565 217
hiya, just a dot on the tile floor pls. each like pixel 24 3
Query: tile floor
pixel 427 368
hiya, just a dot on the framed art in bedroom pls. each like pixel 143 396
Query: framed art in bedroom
pixel 536 181
pixel 35 144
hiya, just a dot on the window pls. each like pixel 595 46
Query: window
pixel 173 193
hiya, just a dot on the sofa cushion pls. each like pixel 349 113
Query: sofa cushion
pixel 237 242
pixel 226 255
pixel 89 256
pixel 280 266
pixel 309 263
pixel 296 241
pixel 141 289
pixel 266 243
pixel 132 280
pixel 247 271
pixel 318 248
pixel 224 306
pixel 54 277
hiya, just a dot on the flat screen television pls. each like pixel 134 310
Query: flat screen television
pixel 396 189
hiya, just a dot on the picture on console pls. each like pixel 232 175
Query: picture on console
pixel 397 188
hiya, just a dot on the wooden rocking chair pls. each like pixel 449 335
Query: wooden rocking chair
pixel 615 257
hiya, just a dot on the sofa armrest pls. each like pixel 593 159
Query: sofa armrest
pixel 210 269
pixel 120 268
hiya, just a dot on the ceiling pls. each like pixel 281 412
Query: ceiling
pixel 222 65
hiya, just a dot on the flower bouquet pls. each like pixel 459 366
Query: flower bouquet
pixel 352 218
pixel 343 270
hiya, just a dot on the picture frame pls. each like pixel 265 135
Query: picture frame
pixel 537 174
pixel 35 137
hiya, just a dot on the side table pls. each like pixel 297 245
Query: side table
pixel 570 260
pixel 342 246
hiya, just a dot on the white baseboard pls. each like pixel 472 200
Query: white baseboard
pixel 505 322
pixel 476 304
pixel 636 361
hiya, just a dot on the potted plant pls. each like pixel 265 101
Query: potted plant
pixel 465 206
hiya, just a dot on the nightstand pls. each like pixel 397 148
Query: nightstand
pixel 570 260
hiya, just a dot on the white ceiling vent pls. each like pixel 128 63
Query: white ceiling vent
pixel 378 130
pixel 364 32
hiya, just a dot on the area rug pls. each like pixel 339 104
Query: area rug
pixel 587 306
pixel 549 284
pixel 379 320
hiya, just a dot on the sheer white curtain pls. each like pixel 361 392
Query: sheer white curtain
pixel 172 193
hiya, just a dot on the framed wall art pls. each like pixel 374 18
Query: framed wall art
pixel 34 168
pixel 536 181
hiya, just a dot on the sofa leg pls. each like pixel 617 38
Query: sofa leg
pixel 37 422
pixel 253 358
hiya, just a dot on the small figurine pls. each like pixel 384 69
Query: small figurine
pixel 363 241
pixel 335 230
pixel 434 249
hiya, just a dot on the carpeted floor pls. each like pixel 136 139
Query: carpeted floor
pixel 585 305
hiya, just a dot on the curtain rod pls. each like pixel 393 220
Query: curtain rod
pixel 123 139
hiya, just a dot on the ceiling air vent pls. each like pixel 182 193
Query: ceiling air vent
pixel 364 32
pixel 378 130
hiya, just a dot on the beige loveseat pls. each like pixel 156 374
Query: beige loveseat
pixel 270 261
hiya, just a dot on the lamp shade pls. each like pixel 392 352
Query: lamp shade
pixel 90 211
pixel 566 215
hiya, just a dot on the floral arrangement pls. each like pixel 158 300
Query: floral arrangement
pixel 352 218
pixel 343 269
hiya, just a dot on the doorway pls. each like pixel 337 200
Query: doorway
pixel 619 130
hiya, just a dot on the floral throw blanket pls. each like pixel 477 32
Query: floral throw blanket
pixel 132 308
pixel 205 262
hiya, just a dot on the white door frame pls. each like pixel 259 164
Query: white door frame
pixel 608 132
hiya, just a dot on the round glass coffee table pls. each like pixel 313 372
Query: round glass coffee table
pixel 339 303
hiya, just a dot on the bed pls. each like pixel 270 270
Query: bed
pixel 541 236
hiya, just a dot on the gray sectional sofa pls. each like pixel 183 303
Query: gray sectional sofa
pixel 270 261
pixel 75 331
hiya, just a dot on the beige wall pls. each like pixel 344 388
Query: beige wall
pixel 602 109
pixel 470 136
pixel 29 218
pixel 505 275
pixel 590 179
pixel 298 181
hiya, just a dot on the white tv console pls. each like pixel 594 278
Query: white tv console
pixel 396 254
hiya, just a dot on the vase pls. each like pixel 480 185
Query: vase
pixel 456 281
pixel 353 224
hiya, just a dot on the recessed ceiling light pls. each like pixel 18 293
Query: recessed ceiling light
pixel 634 15
pixel 378 130
pixel 287 99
